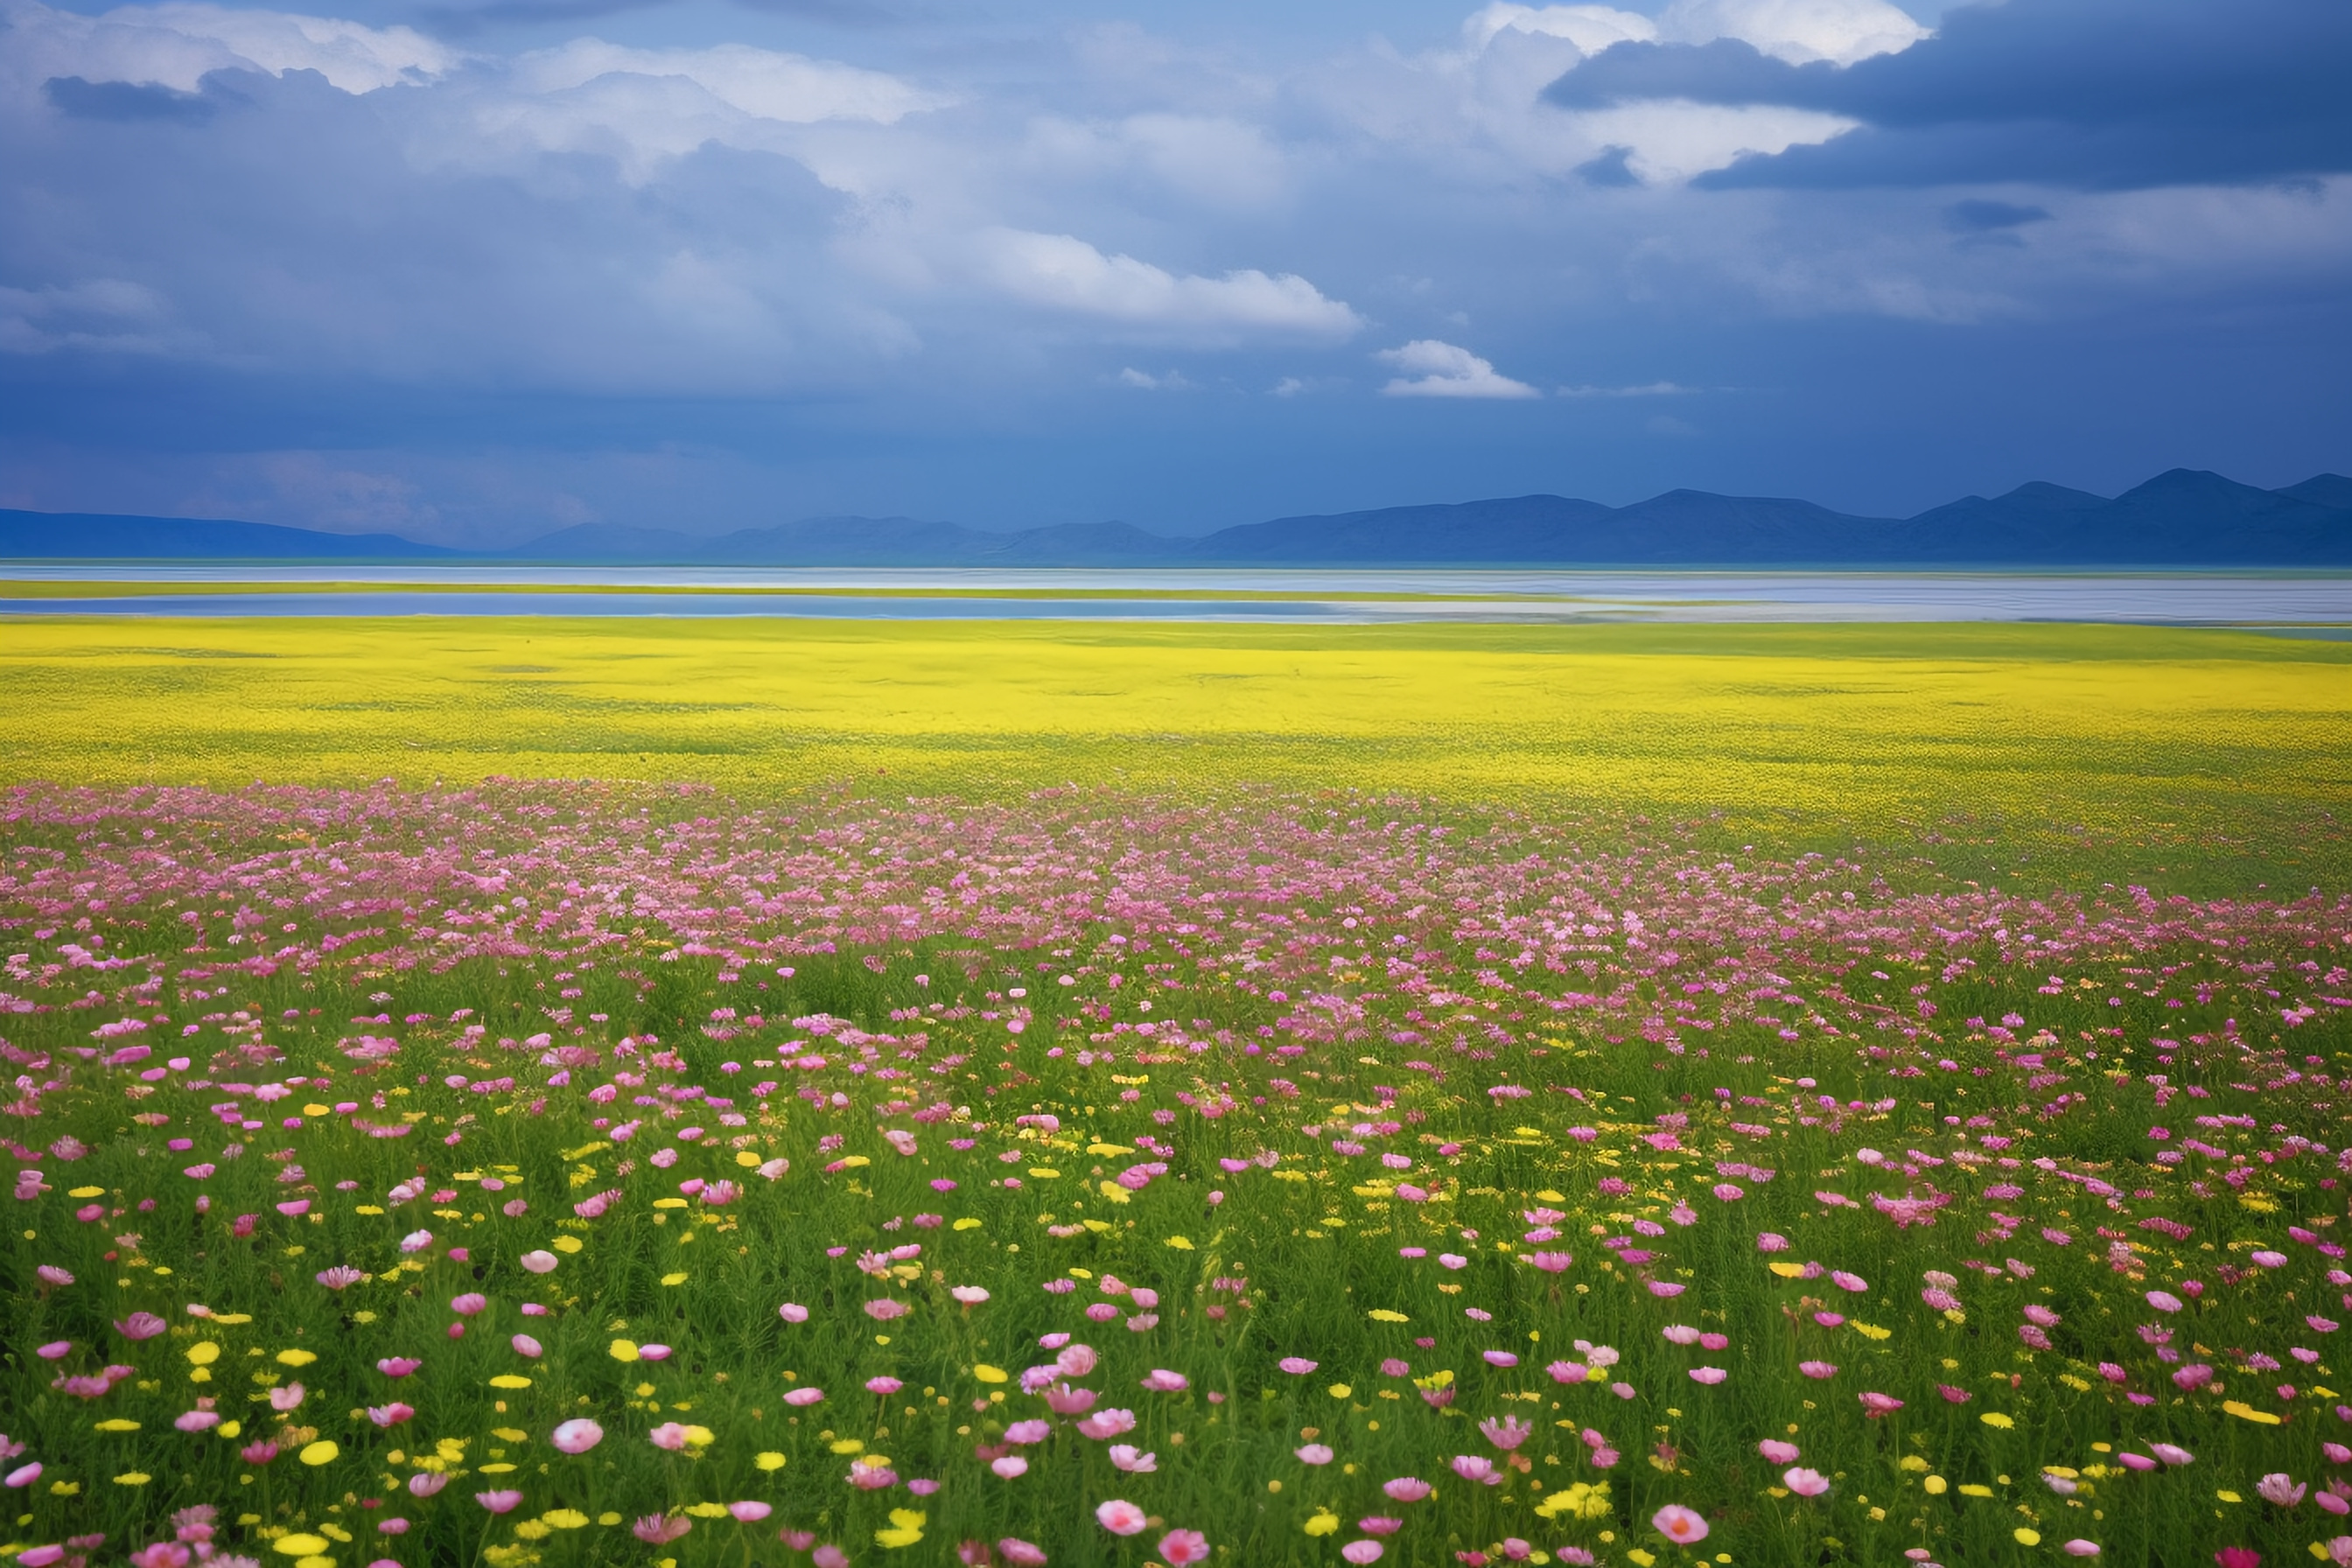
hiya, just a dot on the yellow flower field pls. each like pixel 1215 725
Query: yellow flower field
pixel 2108 728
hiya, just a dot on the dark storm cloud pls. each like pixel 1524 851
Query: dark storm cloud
pixel 1980 217
pixel 1611 168
pixel 2095 94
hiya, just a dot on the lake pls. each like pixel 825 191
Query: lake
pixel 2311 603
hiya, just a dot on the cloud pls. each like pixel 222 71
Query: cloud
pixel 1797 31
pixel 125 100
pixel 1980 216
pixel 1611 168
pixel 1672 141
pixel 1648 389
pixel 2115 94
pixel 1591 28
pixel 1144 381
pixel 1066 274
pixel 106 315
pixel 1489 93
pixel 1215 161
pixel 645 109
pixel 344 498
pixel 177 44
pixel 763 83
pixel 1210 158
pixel 1433 369
pixel 909 277
pixel 476 16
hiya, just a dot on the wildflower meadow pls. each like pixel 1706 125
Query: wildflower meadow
pixel 563 1173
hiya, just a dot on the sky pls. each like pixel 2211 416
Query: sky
pixel 473 270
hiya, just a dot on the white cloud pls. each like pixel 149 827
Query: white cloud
pixel 1064 273
pixel 175 45
pixel 763 83
pixel 1648 389
pixel 1798 31
pixel 1215 159
pixel 1433 369
pixel 1592 29
pixel 1144 381
pixel 644 125
pixel 1477 114
pixel 1212 159
pixel 1672 140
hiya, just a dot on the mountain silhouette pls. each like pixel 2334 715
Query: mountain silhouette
pixel 107 536
pixel 2182 518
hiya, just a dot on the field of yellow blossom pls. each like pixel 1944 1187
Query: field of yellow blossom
pixel 2028 738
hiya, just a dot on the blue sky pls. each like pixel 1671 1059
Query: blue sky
pixel 472 269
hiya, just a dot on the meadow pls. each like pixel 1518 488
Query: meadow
pixel 1158 1095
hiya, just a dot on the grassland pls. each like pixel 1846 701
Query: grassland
pixel 562 1175
pixel 2195 759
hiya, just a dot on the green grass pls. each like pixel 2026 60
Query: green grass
pixel 438 914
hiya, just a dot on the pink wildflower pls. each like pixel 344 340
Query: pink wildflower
pixel 1121 1517
pixel 1477 1467
pixel 577 1437
pixel 1180 1548
pixel 1681 1525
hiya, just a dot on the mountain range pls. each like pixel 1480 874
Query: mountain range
pixel 2179 518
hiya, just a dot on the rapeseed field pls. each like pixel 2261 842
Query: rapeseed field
pixel 2147 734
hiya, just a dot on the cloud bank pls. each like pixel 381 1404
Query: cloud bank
pixel 2087 93
pixel 761 270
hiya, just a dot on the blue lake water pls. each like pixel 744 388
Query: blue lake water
pixel 2312 604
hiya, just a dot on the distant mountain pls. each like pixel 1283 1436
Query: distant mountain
pixel 2184 518
pixel 2322 489
pixel 101 536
